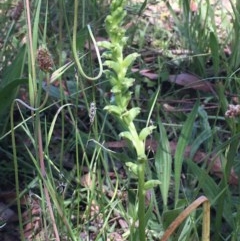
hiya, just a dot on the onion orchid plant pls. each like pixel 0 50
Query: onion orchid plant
pixel 116 72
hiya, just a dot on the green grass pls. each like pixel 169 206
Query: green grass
pixel 61 153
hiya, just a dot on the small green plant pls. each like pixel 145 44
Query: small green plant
pixel 118 67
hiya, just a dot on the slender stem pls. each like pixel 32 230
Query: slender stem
pixel 141 200
pixel 16 174
pixel 74 46
pixel 74 50
pixel 43 172
pixel 61 83
pixel 32 72
pixel 83 13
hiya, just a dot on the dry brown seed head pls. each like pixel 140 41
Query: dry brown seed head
pixel 44 59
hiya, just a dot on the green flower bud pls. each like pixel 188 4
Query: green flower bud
pixel 133 167
pixel 151 184
pixel 145 132
pixel 130 115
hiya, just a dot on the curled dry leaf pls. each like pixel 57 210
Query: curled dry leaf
pixel 32 218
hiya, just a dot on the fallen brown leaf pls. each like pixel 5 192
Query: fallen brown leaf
pixel 191 81
pixel 149 74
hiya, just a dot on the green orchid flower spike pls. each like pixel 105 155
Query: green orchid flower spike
pixel 117 68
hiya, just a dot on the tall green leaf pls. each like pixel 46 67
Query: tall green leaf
pixel 163 162
pixel 180 149
pixel 10 81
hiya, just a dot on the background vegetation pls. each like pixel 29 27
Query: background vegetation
pixel 65 172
